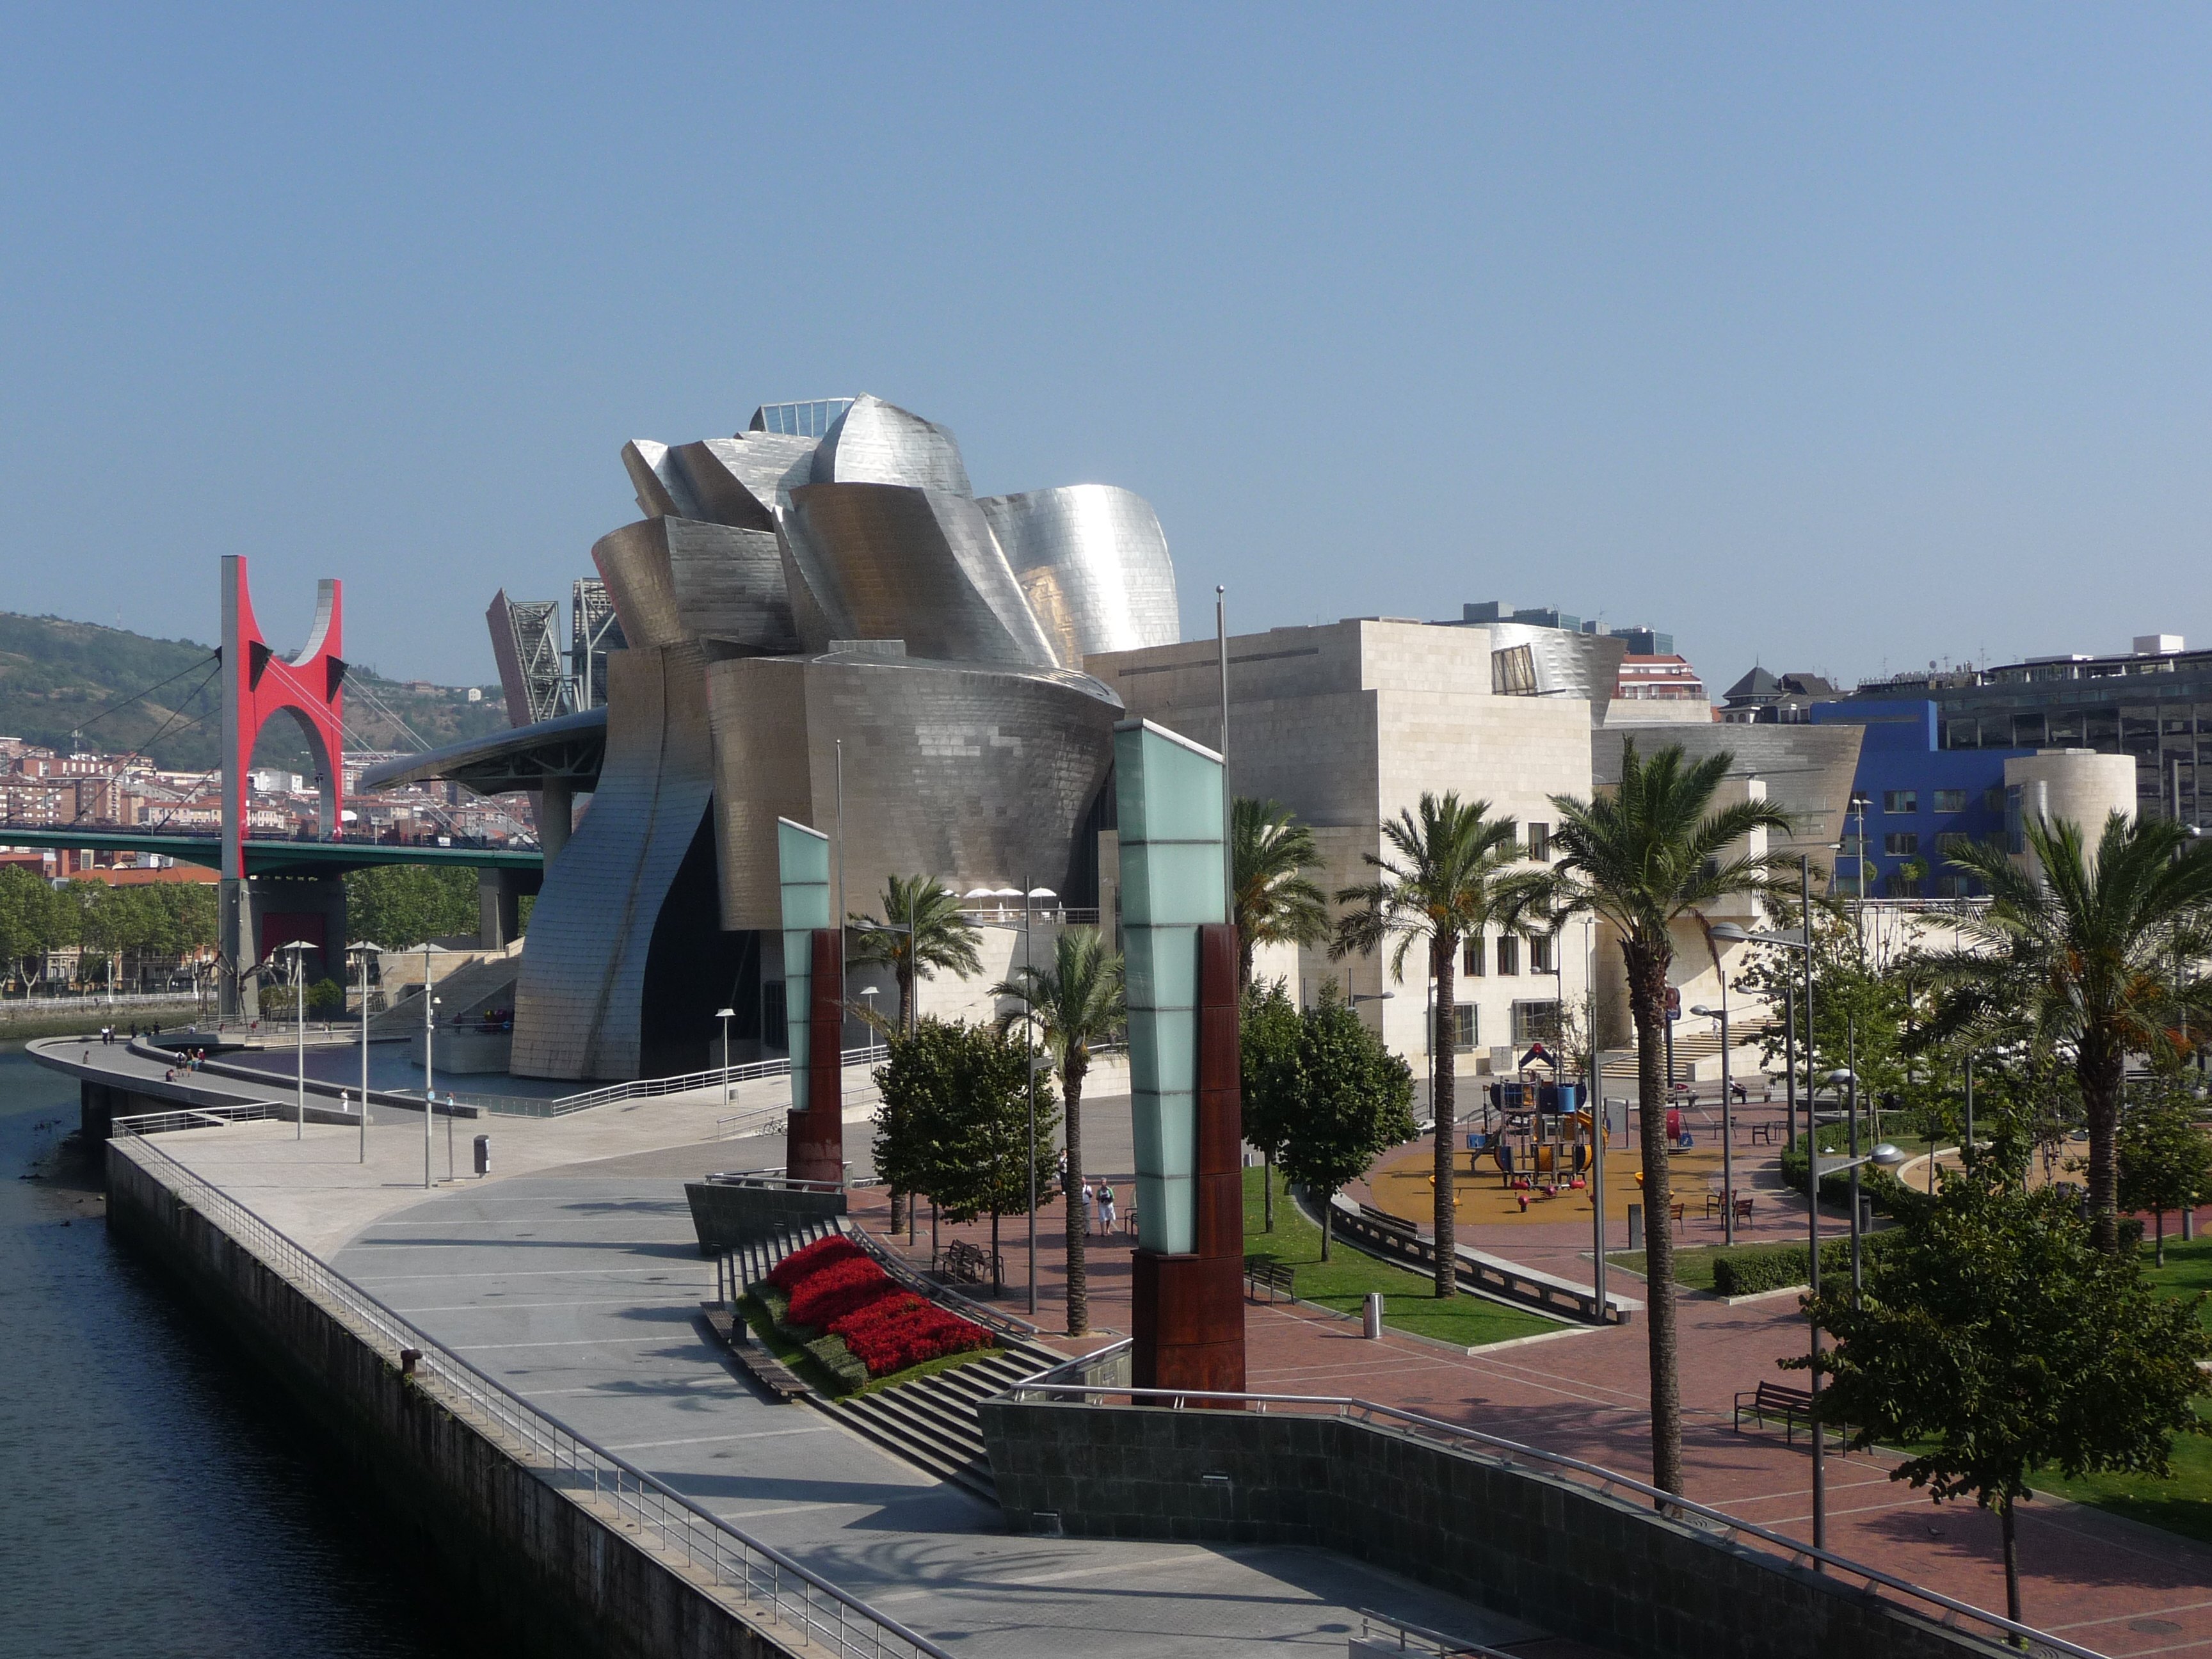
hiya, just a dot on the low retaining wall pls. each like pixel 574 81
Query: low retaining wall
pixel 1378 1234
pixel 1565 1557
pixel 726 1217
pixel 559 1576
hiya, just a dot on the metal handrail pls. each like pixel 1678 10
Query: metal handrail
pixel 1433 1643
pixel 788 1594
pixel 188 1117
pixel 1609 1481
pixel 649 1087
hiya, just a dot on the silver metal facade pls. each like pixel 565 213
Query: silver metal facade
pixel 980 776
pixel 579 1001
pixel 974 748
pixel 1093 564
pixel 886 561
pixel 675 582
pixel 1585 665
pixel 877 442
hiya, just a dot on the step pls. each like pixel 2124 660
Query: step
pixel 933 1421
pixel 970 1475
pixel 916 1433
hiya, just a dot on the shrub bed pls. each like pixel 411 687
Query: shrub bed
pixel 1757 1267
pixel 835 1301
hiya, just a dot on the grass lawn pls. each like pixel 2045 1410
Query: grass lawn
pixel 1409 1299
pixel 2183 1505
pixel 1693 1269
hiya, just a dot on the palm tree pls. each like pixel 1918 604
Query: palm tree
pixel 921 931
pixel 1641 858
pixel 1073 1005
pixel 1276 902
pixel 1442 880
pixel 2091 950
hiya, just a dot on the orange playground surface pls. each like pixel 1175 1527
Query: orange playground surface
pixel 1404 1184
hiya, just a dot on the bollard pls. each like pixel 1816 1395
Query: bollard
pixel 2188 1225
pixel 484 1155
pixel 1635 1226
pixel 1371 1316
pixel 407 1359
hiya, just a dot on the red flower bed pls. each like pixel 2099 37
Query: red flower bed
pixel 896 1331
pixel 837 1287
pixel 786 1273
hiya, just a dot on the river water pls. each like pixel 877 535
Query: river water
pixel 152 1503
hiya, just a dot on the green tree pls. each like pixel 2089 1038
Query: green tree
pixel 920 1085
pixel 1995 1336
pixel 1072 1007
pixel 1268 1075
pixel 1276 902
pixel 984 1166
pixel 930 933
pixel 2090 952
pixel 2165 1158
pixel 1444 878
pixel 1652 853
pixel 404 905
pixel 1355 1099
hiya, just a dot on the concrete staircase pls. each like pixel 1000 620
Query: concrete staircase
pixel 467 990
pixel 932 1421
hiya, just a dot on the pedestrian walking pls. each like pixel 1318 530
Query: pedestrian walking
pixel 1106 1209
pixel 1086 1209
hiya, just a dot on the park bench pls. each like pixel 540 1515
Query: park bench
pixel 1276 1278
pixel 1789 1406
pixel 963 1263
pixel 764 1368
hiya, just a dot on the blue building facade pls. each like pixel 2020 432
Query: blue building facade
pixel 1918 799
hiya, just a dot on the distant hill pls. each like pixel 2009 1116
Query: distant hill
pixel 71 684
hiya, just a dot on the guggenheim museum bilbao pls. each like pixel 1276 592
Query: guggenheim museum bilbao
pixel 818 620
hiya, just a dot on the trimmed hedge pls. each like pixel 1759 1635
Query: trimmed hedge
pixel 1751 1269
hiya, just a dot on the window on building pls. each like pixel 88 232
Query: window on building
pixel 1860 803
pixel 1952 887
pixel 1470 956
pixel 1993 800
pixel 1902 844
pixel 1540 843
pixel 1465 1027
pixel 1903 884
pixel 1540 953
pixel 1900 800
pixel 1513 671
pixel 1535 1022
pixel 1509 954
pixel 1950 800
pixel 1948 844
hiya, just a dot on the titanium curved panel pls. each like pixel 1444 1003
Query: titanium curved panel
pixel 676 581
pixel 1093 562
pixel 579 1000
pixel 890 562
pixel 659 491
pixel 746 480
pixel 982 776
pixel 1585 665
pixel 877 442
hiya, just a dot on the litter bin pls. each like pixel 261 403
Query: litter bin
pixel 1371 1315
pixel 484 1155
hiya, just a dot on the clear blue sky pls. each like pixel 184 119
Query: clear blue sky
pixel 1843 337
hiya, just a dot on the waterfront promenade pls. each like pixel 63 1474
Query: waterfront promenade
pixel 572 1278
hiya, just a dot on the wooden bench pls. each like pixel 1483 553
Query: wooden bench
pixel 764 1368
pixel 1791 1406
pixel 1276 1278
pixel 963 1263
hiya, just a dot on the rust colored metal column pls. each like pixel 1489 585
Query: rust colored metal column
pixel 1187 1318
pixel 815 1141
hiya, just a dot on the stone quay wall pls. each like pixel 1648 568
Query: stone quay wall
pixel 1564 1556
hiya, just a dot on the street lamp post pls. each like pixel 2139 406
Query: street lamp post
pixel 1029 1055
pixel 429 1037
pixel 1728 1138
pixel 1887 1156
pixel 726 1015
pixel 299 948
pixel 1844 1079
pixel 364 949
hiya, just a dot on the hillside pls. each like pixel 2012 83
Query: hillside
pixel 59 678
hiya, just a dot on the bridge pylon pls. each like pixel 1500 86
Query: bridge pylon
pixel 257 684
